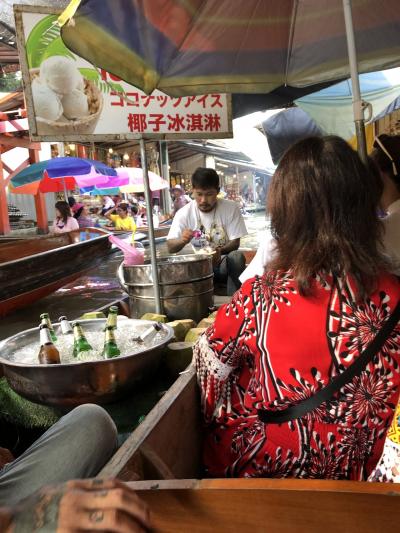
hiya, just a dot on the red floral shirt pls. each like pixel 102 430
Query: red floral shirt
pixel 269 349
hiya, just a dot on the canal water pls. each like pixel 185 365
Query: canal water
pixel 97 288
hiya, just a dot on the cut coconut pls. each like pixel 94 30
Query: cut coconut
pixel 193 334
pixel 177 356
pixel 155 317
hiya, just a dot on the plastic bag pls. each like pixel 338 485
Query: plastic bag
pixel 133 255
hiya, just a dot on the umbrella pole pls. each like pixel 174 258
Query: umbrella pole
pixel 358 108
pixel 65 190
pixel 153 255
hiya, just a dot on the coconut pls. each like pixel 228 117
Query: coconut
pixel 177 356
pixel 155 317
pixel 193 334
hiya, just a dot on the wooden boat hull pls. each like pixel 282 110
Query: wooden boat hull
pixel 33 268
pixel 161 460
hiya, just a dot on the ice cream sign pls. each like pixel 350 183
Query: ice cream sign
pixel 67 98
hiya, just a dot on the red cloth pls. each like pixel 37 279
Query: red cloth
pixel 270 348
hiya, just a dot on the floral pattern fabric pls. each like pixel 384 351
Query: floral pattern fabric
pixel 388 467
pixel 270 348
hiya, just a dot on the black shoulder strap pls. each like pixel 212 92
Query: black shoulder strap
pixel 326 393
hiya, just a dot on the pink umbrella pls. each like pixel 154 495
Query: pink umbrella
pixel 135 183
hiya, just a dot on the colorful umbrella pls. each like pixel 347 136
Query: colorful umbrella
pixel 204 46
pixel 61 174
pixel 129 180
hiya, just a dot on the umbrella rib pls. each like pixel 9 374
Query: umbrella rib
pixel 291 38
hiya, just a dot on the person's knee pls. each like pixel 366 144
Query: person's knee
pixel 97 422
pixel 236 260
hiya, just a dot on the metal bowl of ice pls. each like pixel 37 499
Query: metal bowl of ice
pixel 93 379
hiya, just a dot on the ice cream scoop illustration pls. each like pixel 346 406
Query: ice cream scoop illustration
pixel 60 74
pixel 65 102
pixel 75 104
pixel 47 102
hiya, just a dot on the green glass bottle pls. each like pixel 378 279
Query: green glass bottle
pixel 45 319
pixel 112 317
pixel 81 344
pixel 110 344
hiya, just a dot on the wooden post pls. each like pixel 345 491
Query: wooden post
pixel 4 218
pixel 81 151
pixel 40 201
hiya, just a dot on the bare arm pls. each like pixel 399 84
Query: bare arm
pixel 176 245
pixel 230 246
pixel 108 213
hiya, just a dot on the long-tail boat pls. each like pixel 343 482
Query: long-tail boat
pixel 31 268
pixel 161 461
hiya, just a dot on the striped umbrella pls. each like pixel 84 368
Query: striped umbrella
pixel 202 46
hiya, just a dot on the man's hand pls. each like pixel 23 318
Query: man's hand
pixel 83 505
pixel 216 257
pixel 5 457
pixel 176 245
pixel 187 235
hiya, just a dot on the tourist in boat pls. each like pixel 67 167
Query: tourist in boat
pixel 180 199
pixel 212 223
pixel 386 156
pixel 324 295
pixel 80 505
pixel 108 203
pixel 77 446
pixel 33 487
pixel 83 218
pixel 64 222
pixel 122 220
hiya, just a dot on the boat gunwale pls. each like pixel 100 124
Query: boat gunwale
pixel 53 250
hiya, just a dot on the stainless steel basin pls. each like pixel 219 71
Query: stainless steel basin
pixel 68 385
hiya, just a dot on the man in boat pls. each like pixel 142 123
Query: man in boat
pixel 77 446
pixel 211 224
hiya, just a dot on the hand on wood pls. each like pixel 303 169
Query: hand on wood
pixel 84 505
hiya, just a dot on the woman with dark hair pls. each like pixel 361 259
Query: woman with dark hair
pixel 63 222
pixel 83 218
pixel 386 156
pixel 292 331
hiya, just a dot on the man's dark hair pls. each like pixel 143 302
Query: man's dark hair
pixel 205 178
pixel 71 201
pixel 134 209
pixel 323 205
pixel 123 206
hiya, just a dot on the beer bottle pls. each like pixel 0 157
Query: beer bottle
pixel 65 326
pixel 81 344
pixel 112 317
pixel 110 344
pixel 48 353
pixel 45 319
